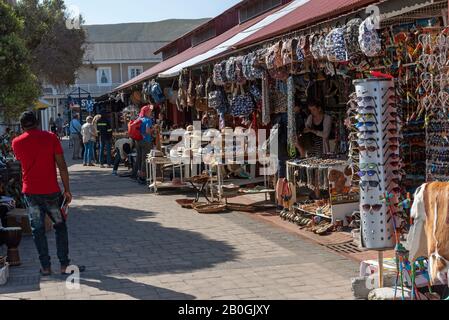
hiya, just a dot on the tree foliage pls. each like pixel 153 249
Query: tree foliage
pixel 56 51
pixel 18 85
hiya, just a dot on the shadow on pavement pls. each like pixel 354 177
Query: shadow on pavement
pixel 115 243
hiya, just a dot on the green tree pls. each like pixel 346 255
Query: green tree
pixel 56 51
pixel 19 87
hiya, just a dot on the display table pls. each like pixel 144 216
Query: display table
pixel 329 175
pixel 153 183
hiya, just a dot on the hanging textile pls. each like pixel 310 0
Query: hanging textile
pixel 290 110
pixel 265 100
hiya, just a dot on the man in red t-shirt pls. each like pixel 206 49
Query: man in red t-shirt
pixel 39 153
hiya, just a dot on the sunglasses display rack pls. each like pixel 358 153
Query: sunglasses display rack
pixel 378 129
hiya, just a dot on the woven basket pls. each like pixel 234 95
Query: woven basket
pixel 186 203
pixel 200 179
pixel 240 207
pixel 206 208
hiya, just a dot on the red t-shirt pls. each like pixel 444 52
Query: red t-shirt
pixel 36 151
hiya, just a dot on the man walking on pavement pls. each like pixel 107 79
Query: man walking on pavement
pixel 105 132
pixel 39 153
pixel 59 125
pixel 75 136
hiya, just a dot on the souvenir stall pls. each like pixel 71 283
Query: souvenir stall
pixel 386 91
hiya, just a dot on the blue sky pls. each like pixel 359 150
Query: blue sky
pixel 118 11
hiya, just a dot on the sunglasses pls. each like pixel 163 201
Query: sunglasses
pixel 369 173
pixel 372 184
pixel 371 208
pixel 364 99
pixel 366 124
pixel 368 149
pixel 366 117
pixel 367 141
pixel 369 166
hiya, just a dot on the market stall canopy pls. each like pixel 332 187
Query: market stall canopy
pixel 278 15
pixel 309 13
pixel 194 51
pixel 41 104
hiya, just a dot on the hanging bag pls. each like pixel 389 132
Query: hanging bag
pixel 369 39
pixel 219 74
pixel 242 104
pixel 200 89
pixel 191 94
pixel 336 46
pixel 314 46
pixel 351 35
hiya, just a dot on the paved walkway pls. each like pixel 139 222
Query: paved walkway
pixel 137 245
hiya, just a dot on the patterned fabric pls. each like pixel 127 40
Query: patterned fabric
pixel 336 46
pixel 217 100
pixel 219 74
pixel 274 56
pixel 369 40
pixel 314 46
pixel 256 93
pixel 266 119
pixel 322 47
pixel 242 105
pixel 240 79
pixel 278 97
pixel 351 36
pixel 231 73
pixel 291 135
pixel 302 49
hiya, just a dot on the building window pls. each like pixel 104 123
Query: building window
pixel 104 76
pixel 256 8
pixel 134 71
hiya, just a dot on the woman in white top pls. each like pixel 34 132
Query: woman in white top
pixel 89 133
pixel 319 125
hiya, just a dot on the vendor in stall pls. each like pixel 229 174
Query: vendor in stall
pixel 318 131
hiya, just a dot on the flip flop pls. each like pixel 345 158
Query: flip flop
pixel 45 273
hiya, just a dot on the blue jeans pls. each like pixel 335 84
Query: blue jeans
pixel 88 152
pixel 105 144
pixel 38 207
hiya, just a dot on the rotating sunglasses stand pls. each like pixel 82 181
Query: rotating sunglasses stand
pixel 376 117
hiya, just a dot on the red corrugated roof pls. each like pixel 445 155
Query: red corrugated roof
pixel 310 12
pixel 195 51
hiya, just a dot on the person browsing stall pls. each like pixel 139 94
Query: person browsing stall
pixel 319 125
pixel 145 145
pixel 123 148
pixel 104 129
pixel 39 153
pixel 89 133
pixel 75 136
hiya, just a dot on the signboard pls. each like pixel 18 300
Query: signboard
pixel 85 104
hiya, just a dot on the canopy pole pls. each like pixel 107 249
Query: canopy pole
pixel 381 268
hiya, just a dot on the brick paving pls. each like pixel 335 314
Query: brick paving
pixel 137 245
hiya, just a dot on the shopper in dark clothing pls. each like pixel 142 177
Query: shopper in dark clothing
pixel 105 133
